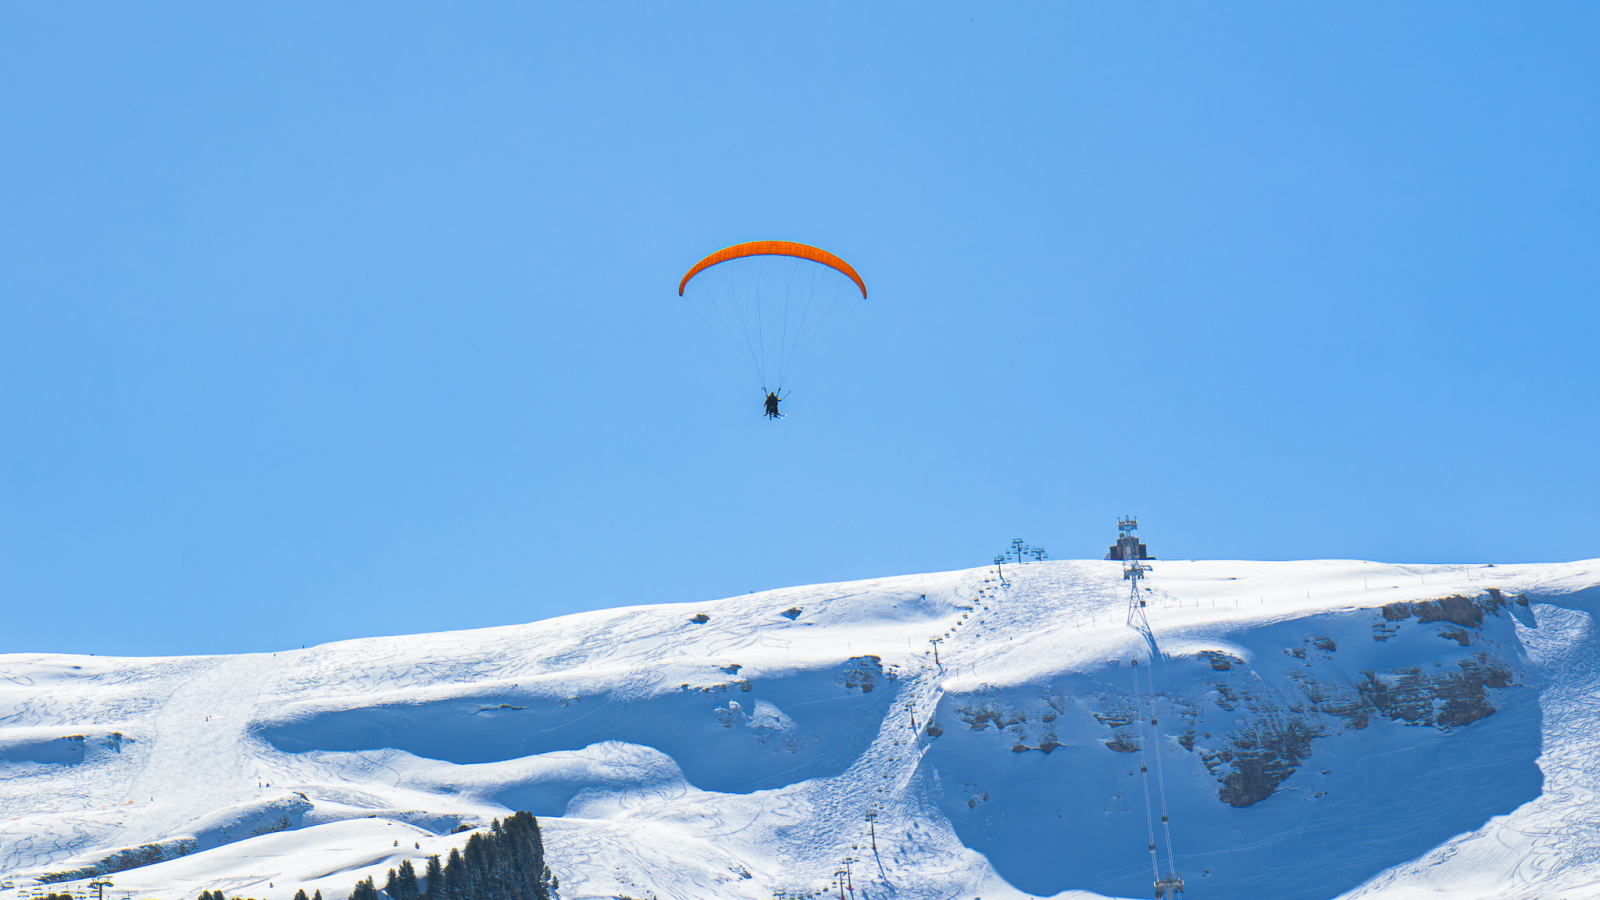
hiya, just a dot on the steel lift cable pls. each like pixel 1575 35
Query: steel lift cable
pixel 1161 779
pixel 1144 774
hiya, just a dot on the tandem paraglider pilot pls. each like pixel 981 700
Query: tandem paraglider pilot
pixel 772 405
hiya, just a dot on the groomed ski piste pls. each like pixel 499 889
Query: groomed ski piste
pixel 1313 729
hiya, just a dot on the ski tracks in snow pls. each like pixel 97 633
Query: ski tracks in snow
pixel 1544 847
pixel 201 755
pixel 1563 851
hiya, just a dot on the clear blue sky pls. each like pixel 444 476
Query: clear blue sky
pixel 329 320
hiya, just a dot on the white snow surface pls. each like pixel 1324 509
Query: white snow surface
pixel 1373 752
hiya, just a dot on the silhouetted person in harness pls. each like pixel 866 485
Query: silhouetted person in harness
pixel 772 405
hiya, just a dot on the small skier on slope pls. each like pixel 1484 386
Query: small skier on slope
pixel 772 405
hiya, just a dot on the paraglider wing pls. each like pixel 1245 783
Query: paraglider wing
pixel 770 301
pixel 775 248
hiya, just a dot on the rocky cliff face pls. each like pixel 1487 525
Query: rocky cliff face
pixel 1256 752
pixel 1252 725
pixel 1317 707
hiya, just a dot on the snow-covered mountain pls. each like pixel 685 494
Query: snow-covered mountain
pixel 1312 730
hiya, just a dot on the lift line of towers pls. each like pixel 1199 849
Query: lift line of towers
pixel 841 885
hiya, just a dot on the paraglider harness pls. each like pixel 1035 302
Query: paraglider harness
pixel 772 405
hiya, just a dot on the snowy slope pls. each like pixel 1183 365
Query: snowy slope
pixel 1322 729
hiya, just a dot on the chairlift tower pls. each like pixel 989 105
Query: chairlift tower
pixel 1021 551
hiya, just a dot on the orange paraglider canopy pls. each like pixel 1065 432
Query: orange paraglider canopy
pixel 775 248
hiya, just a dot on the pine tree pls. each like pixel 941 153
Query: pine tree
pixel 402 884
pixel 531 878
pixel 300 894
pixel 454 877
pixel 365 890
pixel 435 878
pixel 473 869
